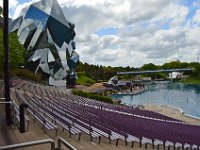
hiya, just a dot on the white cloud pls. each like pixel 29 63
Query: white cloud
pixel 147 31
pixel 196 4
pixel 13 3
pixel 173 13
pixel 196 18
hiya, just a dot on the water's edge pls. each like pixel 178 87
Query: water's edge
pixel 179 109
pixel 183 97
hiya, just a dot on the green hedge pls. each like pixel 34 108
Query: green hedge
pixel 83 79
pixel 93 96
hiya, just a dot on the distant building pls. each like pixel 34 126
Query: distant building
pixel 113 81
pixel 175 75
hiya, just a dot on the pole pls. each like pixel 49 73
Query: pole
pixel 6 62
pixel 22 117
pixel 171 76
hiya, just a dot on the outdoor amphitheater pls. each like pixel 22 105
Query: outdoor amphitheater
pixel 89 124
pixel 38 110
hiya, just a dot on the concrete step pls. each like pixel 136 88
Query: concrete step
pixel 30 136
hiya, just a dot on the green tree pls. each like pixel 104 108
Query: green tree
pixel 149 66
pixel 17 51
pixel 172 65
pixel 196 71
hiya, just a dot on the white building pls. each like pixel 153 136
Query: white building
pixel 175 75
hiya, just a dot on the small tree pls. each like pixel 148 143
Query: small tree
pixel 17 51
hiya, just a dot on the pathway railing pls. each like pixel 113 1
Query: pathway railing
pixel 28 144
pixel 68 145
pixel 40 142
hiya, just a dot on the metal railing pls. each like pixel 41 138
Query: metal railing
pixel 5 102
pixel 68 145
pixel 39 142
pixel 28 144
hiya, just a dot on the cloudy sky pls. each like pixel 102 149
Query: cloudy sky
pixel 131 32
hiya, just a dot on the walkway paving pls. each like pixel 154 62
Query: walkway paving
pixel 6 135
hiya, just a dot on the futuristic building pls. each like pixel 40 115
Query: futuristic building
pixel 48 38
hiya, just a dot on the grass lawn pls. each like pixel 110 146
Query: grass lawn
pixel 93 96
pixel 84 80
pixel 192 80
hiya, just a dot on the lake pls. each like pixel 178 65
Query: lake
pixel 172 94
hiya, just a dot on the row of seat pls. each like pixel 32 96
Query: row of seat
pixel 126 124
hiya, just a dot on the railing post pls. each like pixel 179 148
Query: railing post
pixel 22 117
pixel 6 62
pixel 52 145
pixel 59 144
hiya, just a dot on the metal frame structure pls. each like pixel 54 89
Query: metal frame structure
pixel 154 71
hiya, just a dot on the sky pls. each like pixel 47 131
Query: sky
pixel 131 32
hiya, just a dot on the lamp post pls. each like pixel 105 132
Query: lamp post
pixel 6 63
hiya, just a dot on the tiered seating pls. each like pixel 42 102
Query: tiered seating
pixel 121 109
pixel 77 114
pixel 35 111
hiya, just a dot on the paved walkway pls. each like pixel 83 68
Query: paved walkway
pixel 6 136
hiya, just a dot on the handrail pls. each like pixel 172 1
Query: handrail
pixel 27 144
pixel 68 145
pixel 5 102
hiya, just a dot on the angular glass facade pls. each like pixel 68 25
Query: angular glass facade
pixel 43 29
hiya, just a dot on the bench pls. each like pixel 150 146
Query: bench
pixel 157 143
pixel 132 139
pixel 168 143
pixel 46 124
pixel 102 131
pixel 88 130
pixel 186 146
pixel 117 136
pixel 64 122
pixel 146 141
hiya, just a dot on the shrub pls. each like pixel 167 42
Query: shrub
pixel 93 96
pixel 27 74
pixel 84 79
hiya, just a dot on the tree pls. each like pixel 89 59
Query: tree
pixel 172 65
pixel 196 71
pixel 149 66
pixel 17 51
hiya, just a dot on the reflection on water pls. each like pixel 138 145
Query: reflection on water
pixel 184 96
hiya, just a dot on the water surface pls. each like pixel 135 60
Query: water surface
pixel 172 94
